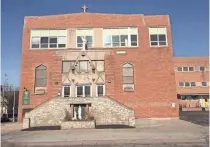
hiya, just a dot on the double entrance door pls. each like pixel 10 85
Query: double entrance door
pixel 79 112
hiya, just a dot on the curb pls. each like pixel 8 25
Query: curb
pixel 104 142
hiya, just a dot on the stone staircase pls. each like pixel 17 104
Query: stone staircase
pixel 105 111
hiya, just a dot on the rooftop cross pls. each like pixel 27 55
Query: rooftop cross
pixel 84 8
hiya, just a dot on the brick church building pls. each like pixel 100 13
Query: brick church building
pixel 125 71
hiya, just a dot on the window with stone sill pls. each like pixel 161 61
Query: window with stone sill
pixel 120 37
pixel 40 79
pixel 66 91
pixel 193 84
pixel 48 38
pixel 181 84
pixel 41 76
pixel 204 84
pixel 185 69
pixel 187 84
pixel 128 75
pixel 202 68
pixel 84 32
pixel 83 91
pixel 158 36
pixel 100 91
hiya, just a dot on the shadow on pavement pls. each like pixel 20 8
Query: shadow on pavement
pixel 113 126
pixel 59 127
pixel 42 128
pixel 196 117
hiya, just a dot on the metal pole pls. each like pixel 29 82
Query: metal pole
pixel 3 94
pixel 2 102
pixel 13 112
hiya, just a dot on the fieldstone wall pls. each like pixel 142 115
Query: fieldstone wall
pixel 26 123
pixel 104 110
pixel 78 125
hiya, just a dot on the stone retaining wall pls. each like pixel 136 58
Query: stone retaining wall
pixel 104 110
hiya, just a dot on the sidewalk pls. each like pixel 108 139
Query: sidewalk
pixel 146 131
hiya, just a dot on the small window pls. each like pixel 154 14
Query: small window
pixel 44 42
pixel 79 91
pixel 181 84
pixel 133 40
pixel 53 42
pixel 66 91
pixel 185 69
pixel 193 84
pixel 100 90
pixel 202 68
pixel 191 68
pixel 204 84
pixel 128 75
pixel 35 41
pixel 187 84
pixel 61 42
pixel 41 76
pixel 158 36
pixel 124 40
pixel 179 69
pixel 115 40
pixel 87 91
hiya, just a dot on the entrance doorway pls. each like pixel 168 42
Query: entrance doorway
pixel 80 111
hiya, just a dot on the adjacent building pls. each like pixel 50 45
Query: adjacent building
pixel 192 80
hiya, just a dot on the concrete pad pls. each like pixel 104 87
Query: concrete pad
pixel 152 131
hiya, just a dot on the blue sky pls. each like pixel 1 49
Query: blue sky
pixel 189 19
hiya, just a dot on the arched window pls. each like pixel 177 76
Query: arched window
pixel 41 76
pixel 128 77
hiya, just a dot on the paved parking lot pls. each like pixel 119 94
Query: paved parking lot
pixel 148 133
pixel 196 117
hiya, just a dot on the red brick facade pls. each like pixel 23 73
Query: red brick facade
pixel 154 75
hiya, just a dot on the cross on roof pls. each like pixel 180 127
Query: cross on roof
pixel 84 8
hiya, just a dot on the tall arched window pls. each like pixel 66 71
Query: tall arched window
pixel 128 77
pixel 41 76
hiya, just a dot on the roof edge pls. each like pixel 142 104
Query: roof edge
pixel 81 13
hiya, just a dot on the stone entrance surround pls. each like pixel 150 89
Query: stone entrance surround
pixel 104 110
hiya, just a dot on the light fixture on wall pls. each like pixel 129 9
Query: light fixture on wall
pixel 59 93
